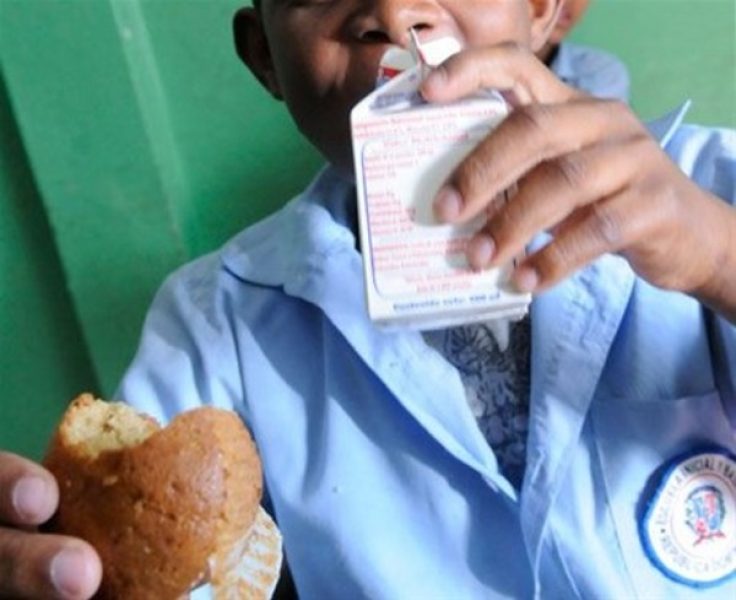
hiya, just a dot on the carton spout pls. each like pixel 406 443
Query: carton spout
pixel 394 61
pixel 433 53
pixel 428 54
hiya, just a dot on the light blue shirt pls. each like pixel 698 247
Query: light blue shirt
pixel 591 70
pixel 376 471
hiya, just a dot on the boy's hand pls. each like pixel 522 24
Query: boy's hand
pixel 33 565
pixel 590 174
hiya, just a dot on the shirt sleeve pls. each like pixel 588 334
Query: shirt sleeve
pixel 591 70
pixel 708 156
pixel 187 356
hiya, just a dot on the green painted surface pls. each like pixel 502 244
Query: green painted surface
pixel 674 49
pixel 43 363
pixel 238 146
pixel 109 200
pixel 145 135
pixel 147 144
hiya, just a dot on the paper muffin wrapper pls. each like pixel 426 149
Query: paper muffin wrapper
pixel 250 568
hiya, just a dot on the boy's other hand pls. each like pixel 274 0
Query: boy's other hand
pixel 34 565
pixel 589 173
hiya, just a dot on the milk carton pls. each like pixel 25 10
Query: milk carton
pixel 416 273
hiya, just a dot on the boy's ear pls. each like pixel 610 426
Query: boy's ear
pixel 252 47
pixel 544 15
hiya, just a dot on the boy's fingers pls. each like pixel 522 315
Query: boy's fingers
pixel 528 137
pixel 33 565
pixel 600 228
pixel 552 192
pixel 28 492
pixel 507 68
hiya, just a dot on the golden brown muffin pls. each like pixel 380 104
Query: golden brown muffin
pixel 163 507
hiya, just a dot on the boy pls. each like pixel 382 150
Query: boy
pixel 377 472
pixel 589 69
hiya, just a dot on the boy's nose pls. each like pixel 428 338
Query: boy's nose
pixel 389 21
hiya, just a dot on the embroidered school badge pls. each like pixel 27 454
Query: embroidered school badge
pixel 689 528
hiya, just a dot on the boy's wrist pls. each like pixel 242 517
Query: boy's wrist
pixel 718 292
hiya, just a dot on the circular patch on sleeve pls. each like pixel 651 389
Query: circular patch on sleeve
pixel 689 528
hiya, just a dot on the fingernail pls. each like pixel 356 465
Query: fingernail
pixel 526 279
pixel 447 204
pixel 29 499
pixel 69 572
pixel 480 251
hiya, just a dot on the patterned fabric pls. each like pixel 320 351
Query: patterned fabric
pixel 496 384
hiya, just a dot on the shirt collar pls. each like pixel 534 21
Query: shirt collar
pixel 561 63
pixel 297 238
pixel 663 128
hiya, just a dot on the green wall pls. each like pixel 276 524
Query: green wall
pixel 132 140
pixel 675 49
pixel 42 359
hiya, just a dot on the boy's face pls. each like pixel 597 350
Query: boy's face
pixel 322 56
